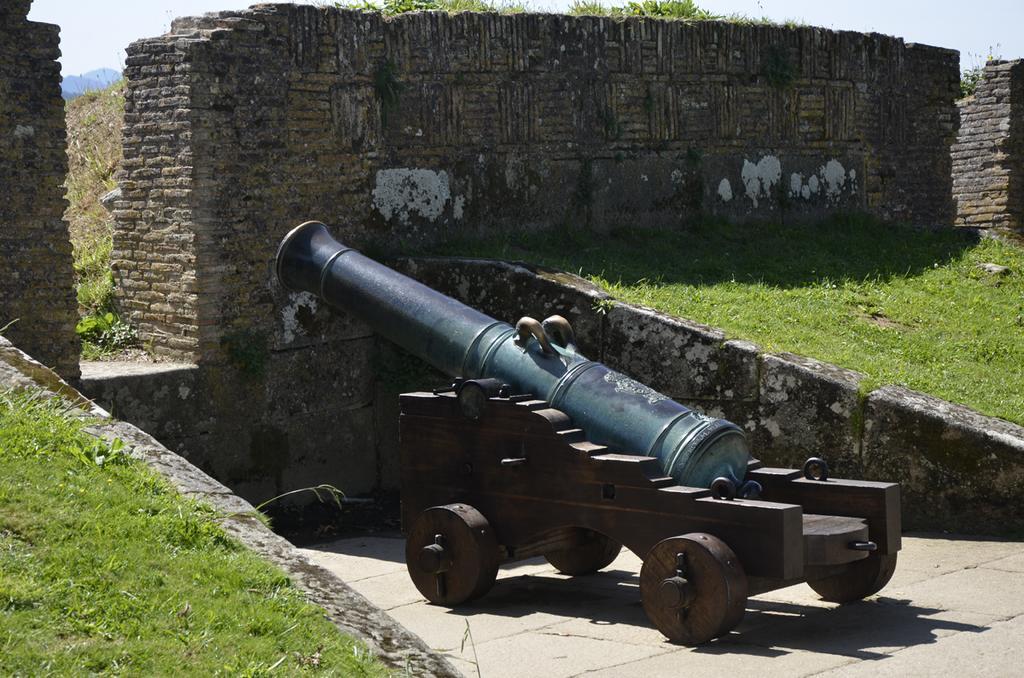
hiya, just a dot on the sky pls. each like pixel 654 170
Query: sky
pixel 94 33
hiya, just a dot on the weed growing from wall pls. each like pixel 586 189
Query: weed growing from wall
pixel 777 67
pixel 388 88
pixel 610 124
pixel 248 350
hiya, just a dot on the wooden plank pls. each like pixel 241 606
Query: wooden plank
pixel 827 539
pixel 878 503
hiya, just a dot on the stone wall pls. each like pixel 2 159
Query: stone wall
pixel 988 157
pixel 240 125
pixel 37 284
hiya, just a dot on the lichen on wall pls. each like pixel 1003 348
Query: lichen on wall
pixel 402 193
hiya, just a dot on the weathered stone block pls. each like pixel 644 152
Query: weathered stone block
pixel 327 379
pixel 165 399
pixel 320 451
pixel 807 408
pixel 677 357
pixel 959 470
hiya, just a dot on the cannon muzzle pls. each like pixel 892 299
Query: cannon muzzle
pixel 532 357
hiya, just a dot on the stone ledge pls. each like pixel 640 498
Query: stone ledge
pixel 960 470
pixel 680 358
pixel 348 610
pixel 806 405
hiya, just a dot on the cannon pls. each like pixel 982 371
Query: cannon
pixel 533 450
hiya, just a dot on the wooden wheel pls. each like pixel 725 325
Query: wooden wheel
pixel 858 580
pixel 451 554
pixel 593 554
pixel 693 588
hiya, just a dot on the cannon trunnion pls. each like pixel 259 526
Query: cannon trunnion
pixel 504 478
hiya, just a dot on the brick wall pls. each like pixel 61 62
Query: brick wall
pixel 988 157
pixel 37 284
pixel 240 125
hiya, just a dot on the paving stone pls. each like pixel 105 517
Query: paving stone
pixel 938 554
pixel 388 591
pixel 1014 563
pixel 553 656
pixel 993 652
pixel 442 628
pixel 716 660
pixel 979 590
pixel 867 630
pixel 361 558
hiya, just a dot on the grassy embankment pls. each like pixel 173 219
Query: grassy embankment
pixel 105 569
pixel 94 123
pixel 902 306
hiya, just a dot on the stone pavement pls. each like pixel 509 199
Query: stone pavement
pixel 955 606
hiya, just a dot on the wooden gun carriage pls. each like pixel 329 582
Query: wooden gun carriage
pixel 487 480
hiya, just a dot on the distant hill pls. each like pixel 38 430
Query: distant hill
pixel 76 85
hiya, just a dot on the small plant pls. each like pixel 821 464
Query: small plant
pixel 388 87
pixel 684 10
pixel 104 333
pixel 971 77
pixel 467 635
pixel 584 191
pixel 394 7
pixel 612 126
pixel 777 67
pixel 248 350
pixel 588 8
pixel 603 306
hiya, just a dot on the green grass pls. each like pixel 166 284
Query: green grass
pixel 902 306
pixel 94 122
pixel 393 7
pixel 105 569
pixel 675 10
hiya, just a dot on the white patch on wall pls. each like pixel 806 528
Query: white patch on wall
pixel 759 179
pixel 796 184
pixel 402 192
pixel 24 131
pixel 813 185
pixel 725 190
pixel 458 204
pixel 290 325
pixel 834 176
pixel 515 172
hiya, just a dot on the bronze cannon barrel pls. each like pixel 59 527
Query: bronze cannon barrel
pixel 535 358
